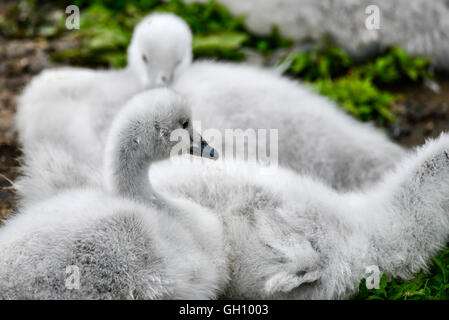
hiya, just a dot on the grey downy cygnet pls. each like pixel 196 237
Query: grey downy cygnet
pixel 77 105
pixel 294 237
pixel 340 150
pixel 314 136
pixel 118 237
pixel 363 27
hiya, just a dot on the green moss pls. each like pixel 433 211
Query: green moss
pixel 425 286
pixel 106 29
pixel 325 61
pixel 205 19
pixel 359 97
pixel 322 62
pixel 394 66
pixel 357 87
pixel 222 45
pixel 266 45
pixel 113 5
pixel 103 36
pixel 31 18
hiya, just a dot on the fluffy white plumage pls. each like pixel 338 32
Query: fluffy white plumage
pixel 285 235
pixel 70 104
pixel 320 241
pixel 334 147
pixel 315 135
pixel 52 177
pixel 126 240
pixel 421 27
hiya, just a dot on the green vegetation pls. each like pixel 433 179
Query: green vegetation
pixel 425 286
pixel 106 32
pixel 360 88
pixel 106 29
pixel 357 87
pixel 29 19
pixel 395 66
pixel 321 62
pixel 359 97
pixel 325 61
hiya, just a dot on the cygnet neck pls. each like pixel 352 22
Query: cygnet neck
pixel 127 173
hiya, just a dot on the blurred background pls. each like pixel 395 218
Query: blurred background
pixel 400 93
pixel 392 86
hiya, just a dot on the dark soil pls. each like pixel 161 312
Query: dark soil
pixel 19 61
pixel 422 112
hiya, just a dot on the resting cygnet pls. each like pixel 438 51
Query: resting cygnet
pixel 51 168
pixel 123 240
pixel 76 106
pixel 321 242
pixel 362 27
pixel 315 135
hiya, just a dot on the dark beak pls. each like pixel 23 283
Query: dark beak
pixel 202 149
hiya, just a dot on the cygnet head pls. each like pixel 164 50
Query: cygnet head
pixel 152 126
pixel 155 123
pixel 161 47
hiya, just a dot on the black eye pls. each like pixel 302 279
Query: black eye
pixel 185 124
pixel 144 58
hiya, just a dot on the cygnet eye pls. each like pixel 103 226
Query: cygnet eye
pixel 144 58
pixel 185 124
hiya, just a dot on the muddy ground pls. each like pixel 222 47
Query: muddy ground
pixel 422 112
pixel 19 61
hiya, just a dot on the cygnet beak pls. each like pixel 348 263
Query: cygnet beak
pixel 163 80
pixel 202 149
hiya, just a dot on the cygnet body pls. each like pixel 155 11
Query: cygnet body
pixel 341 151
pixel 76 106
pixel 320 241
pixel 362 27
pixel 314 135
pixel 119 237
